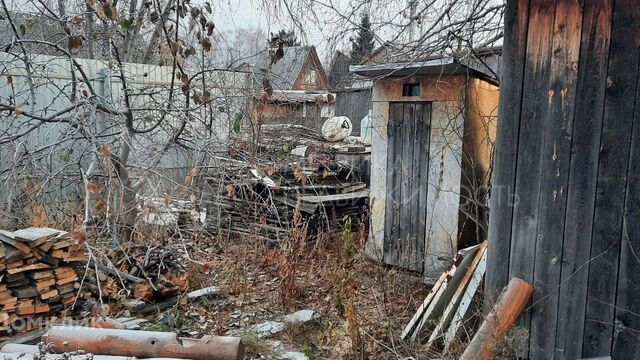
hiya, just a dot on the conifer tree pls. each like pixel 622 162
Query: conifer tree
pixel 362 45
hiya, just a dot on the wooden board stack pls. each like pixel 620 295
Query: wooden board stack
pixel 246 202
pixel 37 273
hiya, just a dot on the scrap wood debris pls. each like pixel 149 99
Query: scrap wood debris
pixel 263 201
pixel 145 271
pixel 39 273
pixel 261 186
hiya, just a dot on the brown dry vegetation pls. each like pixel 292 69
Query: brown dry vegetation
pixel 363 305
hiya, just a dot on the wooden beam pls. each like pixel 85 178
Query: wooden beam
pixel 510 304
pixel 142 344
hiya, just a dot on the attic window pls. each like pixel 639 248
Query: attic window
pixel 411 89
pixel 310 77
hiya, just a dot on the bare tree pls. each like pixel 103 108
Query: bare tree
pixel 106 122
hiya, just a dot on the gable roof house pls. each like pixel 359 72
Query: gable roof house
pixel 300 89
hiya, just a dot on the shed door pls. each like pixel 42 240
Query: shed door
pixel 407 163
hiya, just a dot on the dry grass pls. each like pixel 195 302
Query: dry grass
pixel 363 305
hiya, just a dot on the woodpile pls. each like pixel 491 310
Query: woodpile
pixel 39 272
pixel 146 271
pixel 270 200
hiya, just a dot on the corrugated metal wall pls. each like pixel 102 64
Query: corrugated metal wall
pixel 53 84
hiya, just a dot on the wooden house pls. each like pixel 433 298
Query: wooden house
pixel 300 89
pixel 433 130
pixel 565 199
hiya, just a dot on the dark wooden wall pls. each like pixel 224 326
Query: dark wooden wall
pixel 565 199
pixel 354 104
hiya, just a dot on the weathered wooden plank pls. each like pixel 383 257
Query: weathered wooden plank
pixel 414 184
pixel 404 252
pixel 35 236
pixel 393 188
pixel 424 138
pixel 627 316
pixel 400 191
pixel 335 197
pixel 612 170
pixel 556 160
pixel 592 74
pixel 529 162
pixel 452 304
pixel 408 181
pixel 503 179
pixel 9 238
pixel 465 304
pixel 388 216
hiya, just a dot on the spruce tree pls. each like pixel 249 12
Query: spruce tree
pixel 362 45
pixel 287 38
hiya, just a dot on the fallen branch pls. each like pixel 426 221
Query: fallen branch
pixel 121 274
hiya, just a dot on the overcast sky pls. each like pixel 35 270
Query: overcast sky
pixel 231 15
pixel 324 25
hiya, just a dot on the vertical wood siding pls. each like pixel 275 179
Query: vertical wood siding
pixel 565 204
pixel 354 104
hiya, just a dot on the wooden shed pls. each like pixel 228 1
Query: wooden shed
pixel 433 129
pixel 565 199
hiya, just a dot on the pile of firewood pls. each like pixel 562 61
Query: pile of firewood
pixel 37 273
pixel 146 272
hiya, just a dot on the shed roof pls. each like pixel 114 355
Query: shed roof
pixel 440 66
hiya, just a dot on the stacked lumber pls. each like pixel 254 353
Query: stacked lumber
pixel 270 200
pixel 38 272
pixel 442 314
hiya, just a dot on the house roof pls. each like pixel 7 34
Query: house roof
pixel 284 72
pixel 339 75
pixel 441 66
pixel 299 96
